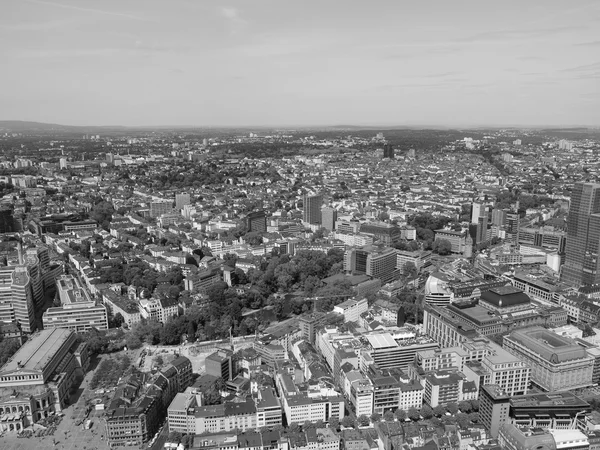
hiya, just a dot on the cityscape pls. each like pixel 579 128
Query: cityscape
pixel 299 226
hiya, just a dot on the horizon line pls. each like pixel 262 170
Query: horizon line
pixel 312 126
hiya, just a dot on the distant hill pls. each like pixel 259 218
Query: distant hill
pixel 21 126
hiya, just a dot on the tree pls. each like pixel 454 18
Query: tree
pixel 363 420
pixel 400 415
pixel 465 406
pixel 413 413
pixel 409 270
pixel 426 412
pixel 159 361
pixel 307 425
pixel 452 408
pixel 442 246
pixel 438 410
pixel 474 417
pixel 436 422
pixel 348 422
pixel 388 416
pixel 334 423
pixel 174 436
pixel 294 427
pixel 475 405
pixel 462 420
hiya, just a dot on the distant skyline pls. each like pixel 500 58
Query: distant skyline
pixel 307 63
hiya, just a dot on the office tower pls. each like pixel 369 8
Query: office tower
pixel 475 212
pixel 181 200
pixel 513 224
pixel 16 297
pixel 482 223
pixel 329 216
pixel 257 221
pixel 110 157
pixel 62 163
pixel 498 217
pixel 312 208
pixel 583 236
pixel 388 151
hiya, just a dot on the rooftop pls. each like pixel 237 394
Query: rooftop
pixel 36 353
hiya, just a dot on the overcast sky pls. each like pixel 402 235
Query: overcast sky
pixel 302 62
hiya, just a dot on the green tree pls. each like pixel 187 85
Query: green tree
pixel 400 415
pixel 413 413
pixel 438 410
pixel 334 423
pixel 426 412
pixel 452 408
pixel 465 406
pixel 348 422
pixel 475 405
pixel 363 420
pixel 388 416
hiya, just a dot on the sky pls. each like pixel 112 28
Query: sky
pixel 301 63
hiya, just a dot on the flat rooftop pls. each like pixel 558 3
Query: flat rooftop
pixel 36 353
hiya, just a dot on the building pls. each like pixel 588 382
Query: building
pixel 17 300
pixel 181 200
pixel 158 208
pixel 382 232
pixel 457 239
pixel 78 311
pixel 256 221
pixel 141 400
pixel 511 437
pixel 36 381
pixel 583 236
pixel 375 261
pixel 219 364
pixel 389 350
pixel 420 258
pixel 557 362
pixel 352 309
pixel 388 151
pixel 329 217
pixel 497 367
pixel 494 408
pixel 312 209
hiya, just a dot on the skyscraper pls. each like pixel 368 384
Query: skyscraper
pixel 482 224
pixel 312 208
pixel 329 216
pixel 388 151
pixel 583 236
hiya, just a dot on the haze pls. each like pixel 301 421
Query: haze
pixel 273 62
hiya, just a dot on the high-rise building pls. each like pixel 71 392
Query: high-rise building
pixel 312 208
pixel 63 163
pixel 581 265
pixel 388 151
pixel 482 223
pixel 181 200
pixel 513 223
pixel 17 297
pixel 498 217
pixel 329 217
pixel 475 212
pixel 257 221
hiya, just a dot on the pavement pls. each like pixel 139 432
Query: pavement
pixel 68 435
